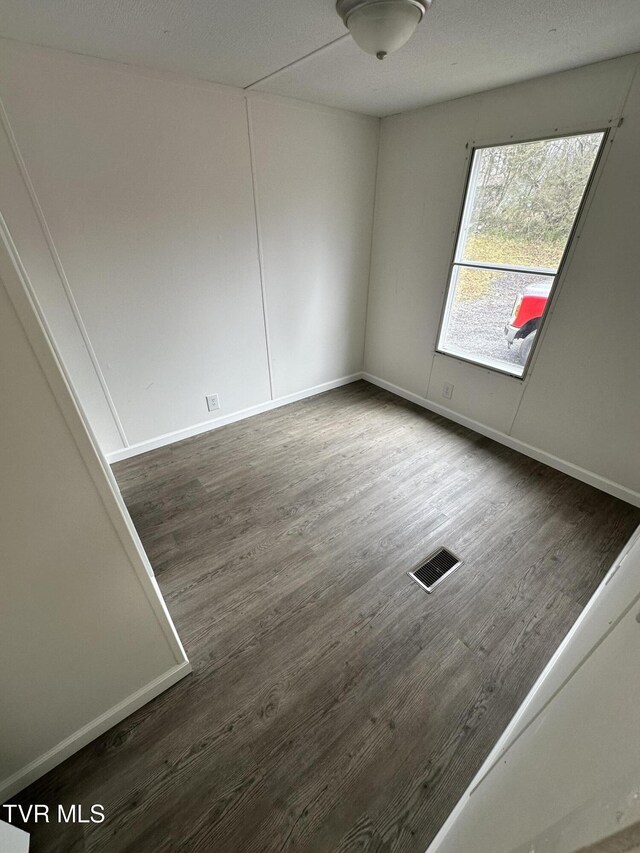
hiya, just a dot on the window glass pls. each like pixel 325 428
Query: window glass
pixel 520 207
pixel 482 303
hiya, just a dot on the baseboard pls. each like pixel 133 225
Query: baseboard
pixel 207 426
pixel 569 468
pixel 582 474
pixel 35 769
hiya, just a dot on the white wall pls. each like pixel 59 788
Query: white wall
pixel 12 839
pixel 315 202
pixel 146 190
pixel 22 218
pixel 580 402
pixel 84 635
pixel 565 773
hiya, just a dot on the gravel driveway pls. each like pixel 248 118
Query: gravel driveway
pixel 476 324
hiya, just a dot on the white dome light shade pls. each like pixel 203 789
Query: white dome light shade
pixel 381 26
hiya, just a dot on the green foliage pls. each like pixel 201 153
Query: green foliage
pixel 476 283
pixel 514 250
pixel 525 198
pixel 530 192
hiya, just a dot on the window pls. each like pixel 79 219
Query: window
pixel 521 203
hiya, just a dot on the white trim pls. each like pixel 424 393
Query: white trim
pixel 29 311
pixel 582 474
pixel 62 275
pixel 511 733
pixel 569 468
pixel 206 426
pixel 559 131
pixel 37 768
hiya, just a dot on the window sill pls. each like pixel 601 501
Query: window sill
pixel 515 371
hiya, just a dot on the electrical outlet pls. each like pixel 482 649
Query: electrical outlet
pixel 447 390
pixel 213 402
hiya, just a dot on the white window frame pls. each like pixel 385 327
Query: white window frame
pixel 457 261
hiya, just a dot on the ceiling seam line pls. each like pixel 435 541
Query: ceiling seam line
pixel 296 61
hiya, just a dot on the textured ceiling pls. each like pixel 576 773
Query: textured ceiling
pixel 227 41
pixel 462 46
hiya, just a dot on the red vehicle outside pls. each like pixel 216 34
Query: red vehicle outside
pixel 527 316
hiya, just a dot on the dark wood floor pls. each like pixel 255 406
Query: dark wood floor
pixel 334 705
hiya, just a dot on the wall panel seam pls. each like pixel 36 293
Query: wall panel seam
pixel 24 173
pixel 256 213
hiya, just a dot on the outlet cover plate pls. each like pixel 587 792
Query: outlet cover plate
pixel 213 402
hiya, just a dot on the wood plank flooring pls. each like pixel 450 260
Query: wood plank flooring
pixel 334 705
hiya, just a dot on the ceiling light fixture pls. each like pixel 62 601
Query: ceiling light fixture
pixel 381 26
